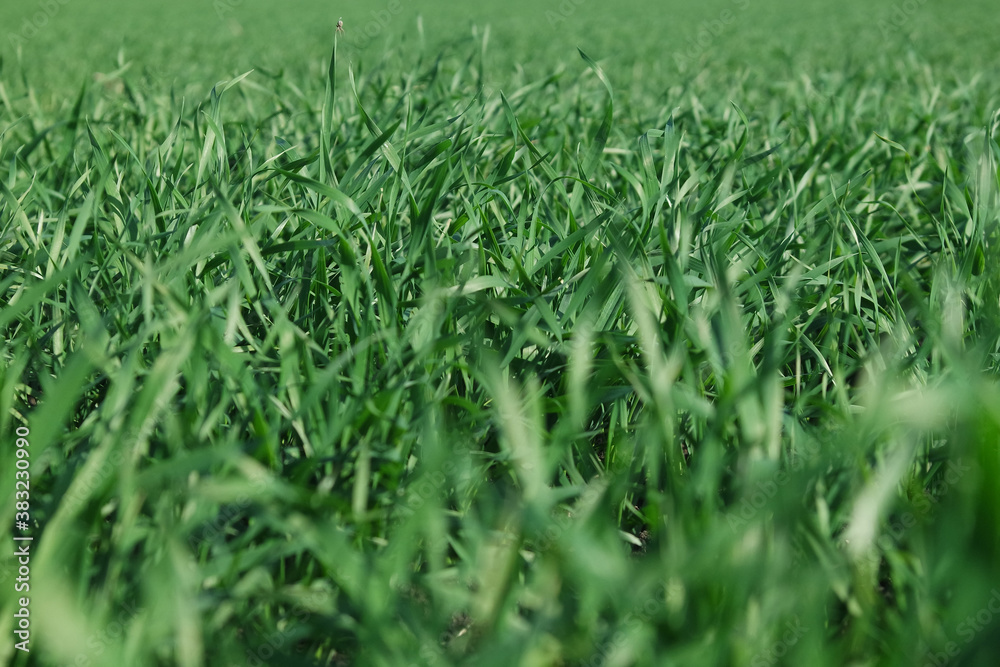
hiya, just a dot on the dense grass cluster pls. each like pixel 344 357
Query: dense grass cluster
pixel 399 361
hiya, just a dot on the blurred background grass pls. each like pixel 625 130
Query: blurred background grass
pixel 650 44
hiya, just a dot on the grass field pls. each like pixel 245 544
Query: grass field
pixel 527 334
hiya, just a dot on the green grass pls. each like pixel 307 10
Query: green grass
pixel 553 343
